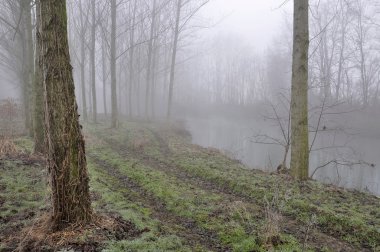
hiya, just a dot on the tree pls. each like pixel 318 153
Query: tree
pixel 92 61
pixel 299 163
pixel 83 27
pixel 174 57
pixel 150 58
pixel 131 57
pixel 114 108
pixel 25 12
pixel 38 100
pixel 66 148
pixel 16 50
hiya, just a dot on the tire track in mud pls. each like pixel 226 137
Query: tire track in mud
pixel 291 226
pixel 185 228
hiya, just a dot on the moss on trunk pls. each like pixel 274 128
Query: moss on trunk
pixel 66 148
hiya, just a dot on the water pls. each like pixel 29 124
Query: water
pixel 357 155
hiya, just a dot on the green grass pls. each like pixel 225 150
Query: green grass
pixel 113 200
pixel 350 216
pixel 184 200
pixel 232 210
pixel 150 243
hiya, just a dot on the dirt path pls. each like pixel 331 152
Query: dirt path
pixel 186 228
pixel 317 239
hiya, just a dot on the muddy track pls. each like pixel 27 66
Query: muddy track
pixel 186 228
pixel 290 225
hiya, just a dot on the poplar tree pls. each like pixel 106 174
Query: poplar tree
pixel 69 180
pixel 299 163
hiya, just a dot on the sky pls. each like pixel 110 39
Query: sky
pixel 256 21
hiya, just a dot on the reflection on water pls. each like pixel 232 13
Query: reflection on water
pixel 352 156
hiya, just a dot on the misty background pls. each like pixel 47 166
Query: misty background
pixel 231 79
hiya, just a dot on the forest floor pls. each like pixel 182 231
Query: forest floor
pixel 182 197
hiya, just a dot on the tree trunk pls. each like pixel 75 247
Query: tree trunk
pixel 83 63
pixel 114 118
pixel 38 113
pixel 174 57
pixel 131 59
pixel 104 73
pixel 66 148
pixel 149 63
pixel 153 80
pixel 299 98
pixel 27 64
pixel 92 62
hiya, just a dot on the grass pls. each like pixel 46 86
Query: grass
pixel 184 200
pixel 348 215
pixel 113 200
pixel 188 198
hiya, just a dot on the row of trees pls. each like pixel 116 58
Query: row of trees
pixel 127 51
pixel 35 48
pixel 344 60
pixel 130 58
pixel 139 59
pixel 124 53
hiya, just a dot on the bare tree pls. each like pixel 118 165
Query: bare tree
pixel 92 60
pixel 299 163
pixel 66 148
pixel 114 108
pixel 39 118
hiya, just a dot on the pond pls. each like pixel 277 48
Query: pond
pixel 352 157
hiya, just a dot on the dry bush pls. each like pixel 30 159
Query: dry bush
pixel 9 109
pixel 10 114
pixel 8 148
pixel 87 237
pixel 270 233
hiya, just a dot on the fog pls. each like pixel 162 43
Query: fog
pixel 255 21
pixel 223 68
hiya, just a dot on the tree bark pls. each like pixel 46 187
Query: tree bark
pixel 69 180
pixel 38 113
pixel 299 98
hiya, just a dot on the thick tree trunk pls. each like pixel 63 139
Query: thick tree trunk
pixel 174 57
pixel 114 119
pixel 66 148
pixel 38 113
pixel 299 164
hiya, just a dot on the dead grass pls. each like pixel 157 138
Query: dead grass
pixel 90 237
pixel 271 230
